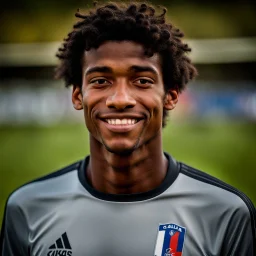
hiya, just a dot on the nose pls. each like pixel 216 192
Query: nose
pixel 120 98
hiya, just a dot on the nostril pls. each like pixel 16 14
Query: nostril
pixel 120 106
pixel 120 102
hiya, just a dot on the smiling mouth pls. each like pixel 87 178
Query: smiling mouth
pixel 124 121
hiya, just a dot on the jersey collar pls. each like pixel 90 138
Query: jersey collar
pixel 171 175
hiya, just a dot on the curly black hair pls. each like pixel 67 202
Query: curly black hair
pixel 136 22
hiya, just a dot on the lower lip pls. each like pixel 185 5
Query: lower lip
pixel 121 127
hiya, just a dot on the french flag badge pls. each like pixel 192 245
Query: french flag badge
pixel 170 240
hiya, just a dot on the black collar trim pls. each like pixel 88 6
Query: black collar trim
pixel 171 175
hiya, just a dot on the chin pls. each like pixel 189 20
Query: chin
pixel 121 148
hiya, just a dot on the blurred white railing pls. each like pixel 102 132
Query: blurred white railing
pixel 49 102
pixel 204 51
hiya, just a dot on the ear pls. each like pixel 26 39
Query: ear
pixel 77 98
pixel 171 99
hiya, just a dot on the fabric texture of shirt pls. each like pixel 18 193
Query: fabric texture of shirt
pixel 190 214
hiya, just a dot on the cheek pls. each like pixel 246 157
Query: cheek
pixel 88 104
pixel 154 104
pixel 89 101
pixel 91 104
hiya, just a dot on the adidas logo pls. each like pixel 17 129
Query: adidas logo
pixel 61 247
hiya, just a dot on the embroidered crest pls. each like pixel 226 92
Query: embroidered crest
pixel 170 240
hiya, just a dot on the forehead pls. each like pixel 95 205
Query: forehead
pixel 120 54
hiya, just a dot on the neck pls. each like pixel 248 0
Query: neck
pixel 140 171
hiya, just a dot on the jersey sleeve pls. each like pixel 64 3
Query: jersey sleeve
pixel 240 234
pixel 14 231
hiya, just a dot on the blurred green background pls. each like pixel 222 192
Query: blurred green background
pixel 39 131
pixel 48 20
pixel 224 150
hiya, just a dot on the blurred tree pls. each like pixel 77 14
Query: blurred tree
pixel 49 20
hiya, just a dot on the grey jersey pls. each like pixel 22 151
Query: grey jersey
pixel 190 214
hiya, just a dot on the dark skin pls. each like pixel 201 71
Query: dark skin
pixel 123 98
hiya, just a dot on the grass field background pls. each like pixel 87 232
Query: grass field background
pixel 227 151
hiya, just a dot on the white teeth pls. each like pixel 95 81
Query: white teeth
pixel 121 121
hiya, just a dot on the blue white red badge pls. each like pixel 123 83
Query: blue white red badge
pixel 170 240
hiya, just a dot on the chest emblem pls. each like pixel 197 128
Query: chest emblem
pixel 170 240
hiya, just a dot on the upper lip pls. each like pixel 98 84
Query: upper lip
pixel 121 116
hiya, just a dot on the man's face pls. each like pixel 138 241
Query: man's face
pixel 122 95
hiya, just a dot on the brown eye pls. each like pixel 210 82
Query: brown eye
pixel 99 81
pixel 102 81
pixel 143 82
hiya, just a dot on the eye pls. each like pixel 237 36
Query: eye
pixel 100 81
pixel 144 82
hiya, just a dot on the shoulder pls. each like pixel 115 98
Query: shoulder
pixel 219 194
pixel 211 185
pixel 35 198
pixel 42 186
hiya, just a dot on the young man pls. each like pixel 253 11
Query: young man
pixel 127 67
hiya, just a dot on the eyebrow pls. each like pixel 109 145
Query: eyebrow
pixel 134 68
pixel 102 69
pixel 137 69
